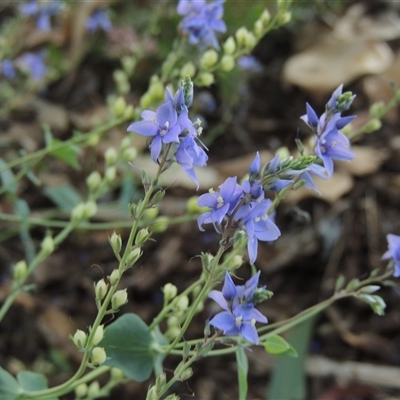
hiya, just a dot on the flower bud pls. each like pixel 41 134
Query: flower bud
pixel 258 28
pixel 78 212
pixel 373 125
pixel 119 106
pixel 114 277
pixel 93 140
pixel 79 339
pixel 209 58
pixel 129 154
pixel 173 321
pixel 283 153
pixel 117 374
pixel 129 111
pixel 101 289
pixel 227 63
pixel 265 17
pixel 251 40
pixel 156 87
pixel 186 374
pixel 116 242
pixel 142 236
pixel 111 156
pixel 133 256
pixel 205 79
pixel 48 245
pixel 128 64
pixel 110 174
pixel 183 303
pixel 93 181
pixel 285 17
pixel 152 393
pixel 150 213
pixel 170 291
pixel 125 143
pixel 99 355
pixel 161 381
pixel 81 390
pixel 90 209
pixel 93 390
pixel 160 224
pixel 236 263
pixel 188 70
pixel 20 270
pixel 229 46
pixel 119 298
pixel 98 335
pixel 241 36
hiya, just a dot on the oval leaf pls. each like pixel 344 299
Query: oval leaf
pixel 128 345
pixel 277 345
pixel 9 387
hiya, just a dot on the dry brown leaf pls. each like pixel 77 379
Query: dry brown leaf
pixel 367 161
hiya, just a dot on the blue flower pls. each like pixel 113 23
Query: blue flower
pixel 98 20
pixel 393 252
pixel 7 68
pixel 200 21
pixel 189 153
pixel 43 12
pixel 222 203
pixel 258 225
pixel 34 64
pixel 239 316
pixel 161 125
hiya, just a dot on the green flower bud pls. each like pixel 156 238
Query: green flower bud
pixel 250 40
pixel 93 390
pixel 129 111
pixel 193 207
pixel 133 256
pixel 93 181
pixel 209 58
pixel 116 242
pixel 285 18
pixel 160 224
pixel 241 36
pixel 98 335
pixel 258 28
pixel 377 109
pixel 373 125
pixel 114 277
pixel 90 209
pixel 183 303
pixel 111 156
pixel 265 17
pixel 117 374
pixel 110 174
pixel 158 196
pixel 205 79
pixel 142 236
pixel 227 63
pixel 172 396
pixel 79 339
pixel 170 291
pixel 78 212
pixel 283 153
pixel 99 356
pixel 119 298
pixel 101 289
pixel 20 270
pixel 150 213
pixel 146 101
pixel 161 381
pixel 119 106
pixel 229 46
pixel 188 70
pixel 129 154
pixel 128 64
pixel 48 245
pixel 125 143
pixel 93 140
pixel 152 393
pixel 119 76
pixel 156 87
pixel 185 375
pixel 236 263
pixel 81 390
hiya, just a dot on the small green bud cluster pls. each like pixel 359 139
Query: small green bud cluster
pixel 20 271
pixel 154 94
pixel 170 291
pixel 84 211
pixel 100 289
pixel 99 356
pixel 121 80
pixel 142 236
pixel 119 298
pixel 79 339
pixel 116 243
pixel 48 245
pixel 154 391
pixel 133 256
pixel 182 373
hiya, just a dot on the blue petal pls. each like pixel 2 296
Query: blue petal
pixel 146 128
pixel 224 321
pixel 249 332
pixel 229 288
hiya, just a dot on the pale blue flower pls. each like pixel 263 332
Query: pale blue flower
pixel 42 11
pixel 98 20
pixel 393 252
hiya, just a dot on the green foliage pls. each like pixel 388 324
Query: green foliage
pixel 9 386
pixel 278 346
pixel 242 370
pixel 66 197
pixel 128 343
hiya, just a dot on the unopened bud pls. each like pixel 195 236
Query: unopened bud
pixel 93 181
pixel 129 111
pixel 110 174
pixel 81 390
pixel 258 28
pixel 79 339
pixel 114 277
pixel 78 212
pixel 48 245
pixel 229 46
pixel 265 17
pixel 227 63
pixel 150 213
pixel 128 64
pixel 20 270
pixel 101 289
pixel 250 40
pixel 205 79
pixel 133 256
pixel 209 58
pixel 152 393
pixel 90 209
pixel 285 17
pixel 241 35
pixel 119 298
pixel 111 156
pixel 142 236
pixel 93 390
pixel 160 381
pixel 98 335
pixel 283 153
pixel 129 154
pixel 236 263
pixel 170 291
pixel 117 374
pixel 373 125
pixel 188 70
pixel 116 242
pixel 183 303
pixel 186 374
pixel 160 224
pixel 99 356
pixel 119 106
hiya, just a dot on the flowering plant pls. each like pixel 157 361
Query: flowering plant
pixel 241 213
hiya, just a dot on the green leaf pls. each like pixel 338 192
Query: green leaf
pixel 64 196
pixel 7 177
pixel 129 346
pixel 9 387
pixel 294 387
pixel 32 381
pixel 277 345
pixel 242 369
